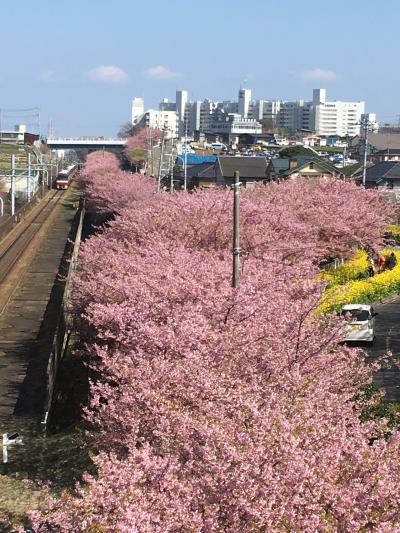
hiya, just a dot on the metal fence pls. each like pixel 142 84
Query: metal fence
pixel 10 221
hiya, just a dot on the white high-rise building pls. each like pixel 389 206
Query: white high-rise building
pixel 336 117
pixel 192 117
pixel 244 102
pixel 207 108
pixel 319 96
pixel 182 99
pixel 294 116
pixel 166 121
pixel 166 105
pixel 266 109
pixel 318 115
pixel 137 109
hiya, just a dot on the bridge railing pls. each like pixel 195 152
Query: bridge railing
pixel 86 140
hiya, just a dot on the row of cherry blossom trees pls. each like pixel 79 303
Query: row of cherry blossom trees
pixel 216 409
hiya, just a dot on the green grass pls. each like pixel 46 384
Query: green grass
pixel 378 407
pixel 72 197
pixel 11 148
pixel 58 460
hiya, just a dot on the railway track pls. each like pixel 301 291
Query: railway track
pixel 16 248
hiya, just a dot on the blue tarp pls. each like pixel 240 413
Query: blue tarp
pixel 197 159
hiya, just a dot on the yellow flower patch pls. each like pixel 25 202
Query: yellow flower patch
pixel 363 291
pixel 351 270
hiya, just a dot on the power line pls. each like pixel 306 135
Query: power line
pixel 9 110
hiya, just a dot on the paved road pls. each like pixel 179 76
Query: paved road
pixel 387 325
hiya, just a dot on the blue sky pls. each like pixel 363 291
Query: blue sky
pixel 81 61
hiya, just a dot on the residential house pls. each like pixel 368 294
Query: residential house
pixel 221 173
pixel 381 146
pixel 384 175
pixel 251 170
pixel 300 166
pixel 203 175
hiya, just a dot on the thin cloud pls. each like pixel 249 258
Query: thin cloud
pixel 48 76
pixel 160 72
pixel 109 73
pixel 318 74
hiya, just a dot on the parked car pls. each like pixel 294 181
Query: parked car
pixel 359 323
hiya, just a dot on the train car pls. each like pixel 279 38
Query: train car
pixel 64 177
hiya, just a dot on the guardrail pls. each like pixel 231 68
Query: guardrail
pixel 63 329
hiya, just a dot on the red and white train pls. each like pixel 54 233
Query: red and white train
pixel 64 177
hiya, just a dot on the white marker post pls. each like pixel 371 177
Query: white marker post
pixel 29 178
pixel 13 185
pixel 9 441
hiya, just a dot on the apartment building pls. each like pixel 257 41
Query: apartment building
pixel 293 116
pixel 137 109
pixel 319 115
pixel 162 120
pixel 233 124
pixel 335 117
pixel 324 117
pixel 269 109
pixel 182 99
pixel 166 105
pixel 207 108
pixel 244 102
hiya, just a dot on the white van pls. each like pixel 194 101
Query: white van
pixel 359 325
pixel 218 146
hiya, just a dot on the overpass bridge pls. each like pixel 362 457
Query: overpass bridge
pixel 87 144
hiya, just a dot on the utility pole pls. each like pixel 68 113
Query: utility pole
pixel 38 114
pixel 149 151
pixel 185 163
pixel 12 184
pixel 161 161
pixel 236 231
pixel 366 124
pixel 172 172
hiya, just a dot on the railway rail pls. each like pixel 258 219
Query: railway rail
pixel 10 255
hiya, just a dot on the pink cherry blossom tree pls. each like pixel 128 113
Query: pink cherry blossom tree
pixel 138 146
pixel 216 409
pixel 107 189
